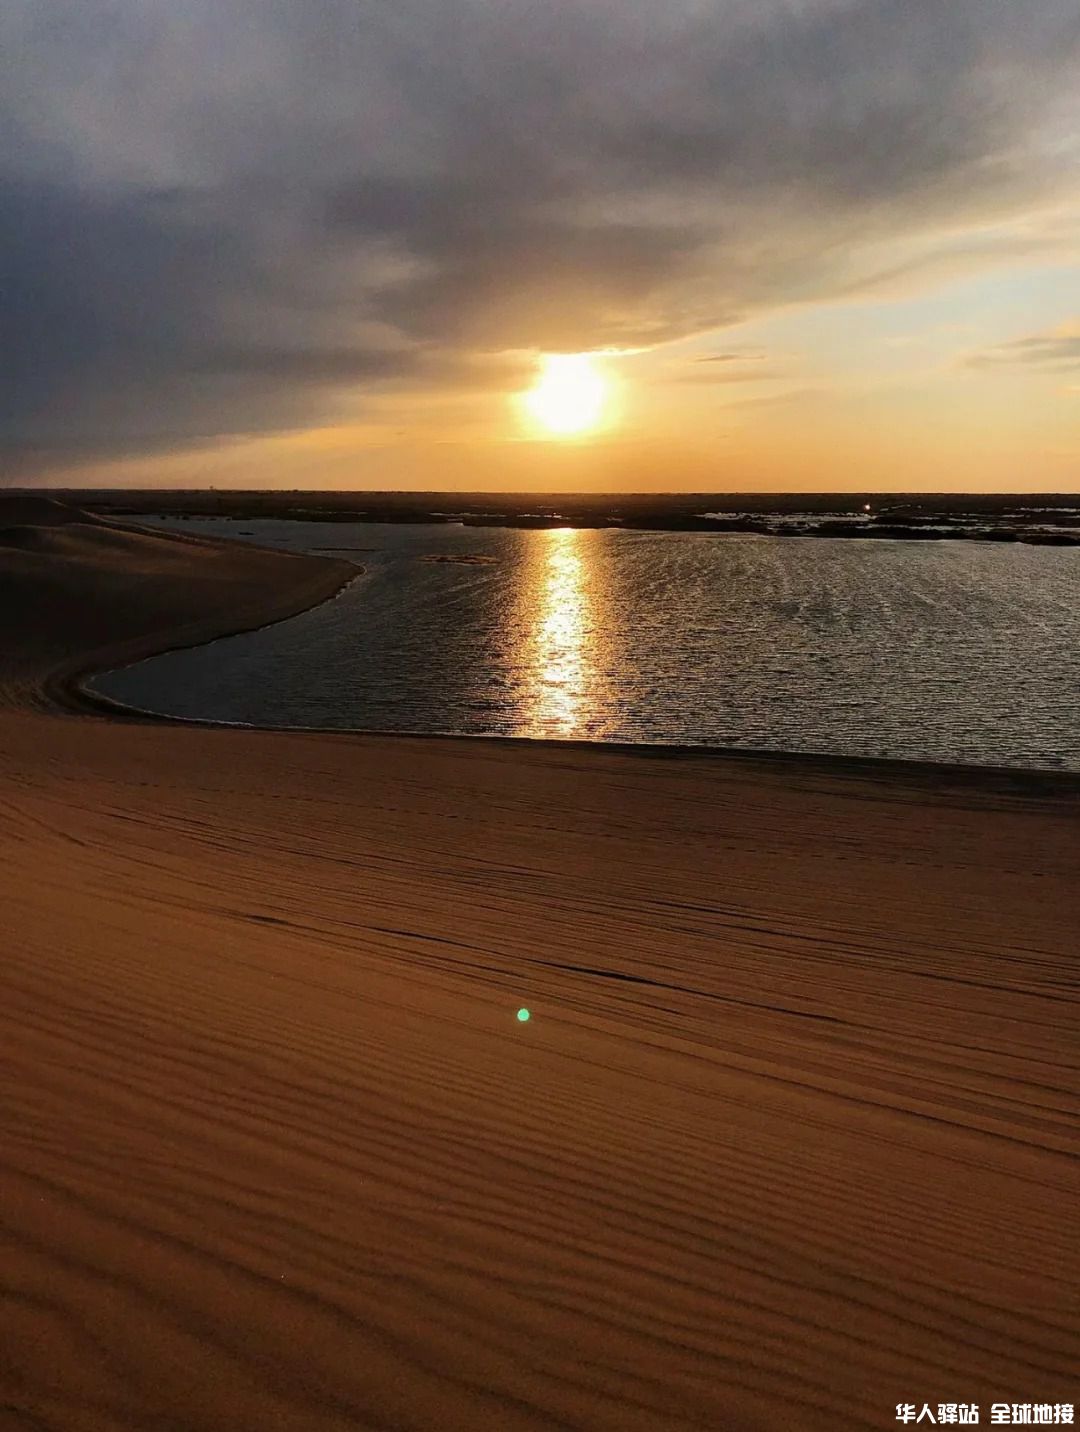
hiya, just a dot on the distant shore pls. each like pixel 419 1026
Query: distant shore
pixel 1045 519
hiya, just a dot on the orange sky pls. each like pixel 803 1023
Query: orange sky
pixel 811 244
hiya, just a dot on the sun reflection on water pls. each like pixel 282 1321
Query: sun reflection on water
pixel 559 668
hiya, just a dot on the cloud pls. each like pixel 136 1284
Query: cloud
pixel 749 365
pixel 1050 352
pixel 228 216
pixel 748 355
pixel 727 377
pixel 793 396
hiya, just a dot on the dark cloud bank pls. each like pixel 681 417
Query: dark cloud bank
pixel 237 217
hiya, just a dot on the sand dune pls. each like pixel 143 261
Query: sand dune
pixel 790 1137
pixel 78 592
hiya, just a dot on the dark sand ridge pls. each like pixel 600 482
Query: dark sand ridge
pixel 790 1137
pixel 78 592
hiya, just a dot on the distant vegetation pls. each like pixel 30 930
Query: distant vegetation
pixel 1051 519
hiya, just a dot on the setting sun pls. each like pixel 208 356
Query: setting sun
pixel 570 395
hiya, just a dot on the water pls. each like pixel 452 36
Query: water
pixel 944 651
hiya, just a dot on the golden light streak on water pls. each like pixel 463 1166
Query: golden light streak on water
pixel 559 667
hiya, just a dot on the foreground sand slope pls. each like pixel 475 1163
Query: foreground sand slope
pixel 789 1139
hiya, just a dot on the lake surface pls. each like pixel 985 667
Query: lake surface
pixel 944 651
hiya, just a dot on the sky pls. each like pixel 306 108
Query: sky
pixel 810 244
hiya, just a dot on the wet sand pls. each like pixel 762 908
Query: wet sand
pixel 790 1137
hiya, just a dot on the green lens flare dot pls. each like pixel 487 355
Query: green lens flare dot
pixel 523 1015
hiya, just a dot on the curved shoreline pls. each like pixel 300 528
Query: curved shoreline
pixel 62 688
pixel 66 689
pixel 1035 781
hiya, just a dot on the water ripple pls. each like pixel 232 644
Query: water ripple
pixel 947 651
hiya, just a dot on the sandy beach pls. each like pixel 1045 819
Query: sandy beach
pixel 789 1139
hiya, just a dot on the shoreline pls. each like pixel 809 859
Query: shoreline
pixel 1035 519
pixel 51 676
pixel 1038 782
pixel 63 689
pixel 66 690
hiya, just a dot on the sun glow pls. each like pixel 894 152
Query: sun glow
pixel 570 396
